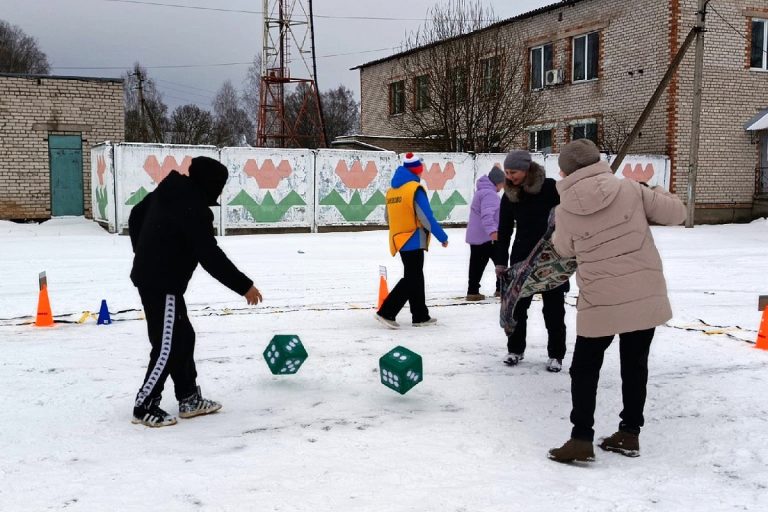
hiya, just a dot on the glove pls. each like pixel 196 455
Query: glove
pixel 500 269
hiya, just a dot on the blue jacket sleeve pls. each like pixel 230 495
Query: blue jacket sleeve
pixel 427 218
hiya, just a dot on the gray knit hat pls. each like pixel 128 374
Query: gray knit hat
pixel 518 160
pixel 577 154
pixel 496 175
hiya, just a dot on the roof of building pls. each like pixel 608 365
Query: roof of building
pixel 61 77
pixel 759 122
pixel 525 15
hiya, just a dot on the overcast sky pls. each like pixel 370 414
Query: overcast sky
pixel 111 34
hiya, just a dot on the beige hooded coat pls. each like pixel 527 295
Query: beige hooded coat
pixel 603 221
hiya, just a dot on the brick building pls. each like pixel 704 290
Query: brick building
pixel 596 64
pixel 47 126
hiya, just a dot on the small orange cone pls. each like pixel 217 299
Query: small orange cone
pixel 762 334
pixel 383 290
pixel 44 315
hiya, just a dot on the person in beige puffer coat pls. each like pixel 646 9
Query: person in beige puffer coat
pixel 604 222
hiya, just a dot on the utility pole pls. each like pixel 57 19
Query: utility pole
pixel 671 70
pixel 145 112
pixel 142 114
pixel 314 75
pixel 693 158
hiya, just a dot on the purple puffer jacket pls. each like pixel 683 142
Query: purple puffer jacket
pixel 484 213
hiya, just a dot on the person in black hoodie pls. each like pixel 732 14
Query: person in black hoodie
pixel 171 232
pixel 528 198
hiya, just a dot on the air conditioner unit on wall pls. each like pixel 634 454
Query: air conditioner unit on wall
pixel 553 77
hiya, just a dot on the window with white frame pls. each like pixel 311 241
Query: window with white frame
pixel 586 54
pixel 459 84
pixel 759 54
pixel 421 92
pixel 539 140
pixel 586 130
pixel 490 71
pixel 397 98
pixel 541 62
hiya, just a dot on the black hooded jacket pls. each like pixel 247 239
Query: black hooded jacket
pixel 171 232
pixel 525 211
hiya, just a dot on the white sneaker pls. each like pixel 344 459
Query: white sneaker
pixel 431 321
pixel 554 365
pixel 512 359
pixel 390 324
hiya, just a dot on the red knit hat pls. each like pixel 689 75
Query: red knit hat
pixel 413 163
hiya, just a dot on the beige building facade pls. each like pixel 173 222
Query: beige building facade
pixel 47 127
pixel 596 63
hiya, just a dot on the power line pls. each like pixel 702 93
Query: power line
pixel 184 85
pixel 172 66
pixel 182 91
pixel 747 39
pixel 220 64
pixel 260 13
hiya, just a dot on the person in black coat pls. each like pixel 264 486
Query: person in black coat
pixel 528 198
pixel 171 231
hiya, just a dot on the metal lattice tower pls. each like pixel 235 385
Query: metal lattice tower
pixel 287 64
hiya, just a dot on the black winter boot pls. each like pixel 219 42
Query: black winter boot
pixel 622 442
pixel 574 450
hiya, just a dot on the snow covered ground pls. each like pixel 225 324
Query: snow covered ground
pixel 472 437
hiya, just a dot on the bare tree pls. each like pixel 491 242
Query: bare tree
pixel 19 53
pixel 341 113
pixel 191 125
pixel 251 95
pixel 465 81
pixel 231 124
pixel 301 114
pixel 616 130
pixel 147 122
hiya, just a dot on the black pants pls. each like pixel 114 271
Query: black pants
pixel 554 320
pixel 173 347
pixel 585 373
pixel 479 255
pixel 409 289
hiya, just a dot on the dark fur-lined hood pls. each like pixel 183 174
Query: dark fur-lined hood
pixel 534 180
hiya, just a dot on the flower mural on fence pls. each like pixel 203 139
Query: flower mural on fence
pixel 102 199
pixel 268 210
pixel 442 209
pixel 638 173
pixel 157 172
pixel 437 178
pixel 267 176
pixel 356 178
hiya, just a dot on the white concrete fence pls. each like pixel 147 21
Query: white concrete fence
pixel 307 189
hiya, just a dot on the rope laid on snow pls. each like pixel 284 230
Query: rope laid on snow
pixel 702 326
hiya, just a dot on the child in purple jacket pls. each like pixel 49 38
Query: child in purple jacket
pixel 482 229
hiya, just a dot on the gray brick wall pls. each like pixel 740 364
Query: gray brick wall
pixel 732 94
pixel 31 108
pixel 638 40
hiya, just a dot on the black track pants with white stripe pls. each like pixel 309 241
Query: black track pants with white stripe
pixel 173 347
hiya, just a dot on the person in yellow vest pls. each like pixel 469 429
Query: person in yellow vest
pixel 411 222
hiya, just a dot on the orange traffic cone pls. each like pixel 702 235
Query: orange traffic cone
pixel 762 334
pixel 44 315
pixel 383 290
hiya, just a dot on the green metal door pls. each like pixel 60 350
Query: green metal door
pixel 66 159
